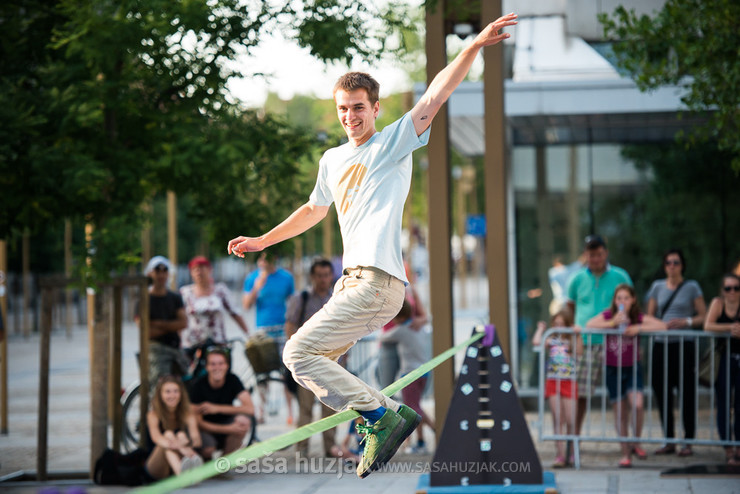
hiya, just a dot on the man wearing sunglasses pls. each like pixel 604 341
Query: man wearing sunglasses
pixel 166 319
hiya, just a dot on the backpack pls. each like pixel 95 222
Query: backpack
pixel 113 468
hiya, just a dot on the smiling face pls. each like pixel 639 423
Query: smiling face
pixel 170 394
pixel 356 114
pixel 217 366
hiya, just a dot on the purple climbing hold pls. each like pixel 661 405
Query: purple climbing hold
pixel 488 337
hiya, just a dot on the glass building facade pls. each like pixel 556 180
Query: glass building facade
pixel 589 153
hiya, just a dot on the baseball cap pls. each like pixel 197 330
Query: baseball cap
pixel 157 261
pixel 594 241
pixel 199 261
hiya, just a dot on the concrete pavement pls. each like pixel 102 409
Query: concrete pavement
pixel 69 441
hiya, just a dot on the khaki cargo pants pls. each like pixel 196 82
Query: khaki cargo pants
pixel 364 300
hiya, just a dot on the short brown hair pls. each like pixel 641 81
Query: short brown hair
pixel 359 80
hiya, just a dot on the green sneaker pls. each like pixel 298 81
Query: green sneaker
pixel 413 420
pixel 381 438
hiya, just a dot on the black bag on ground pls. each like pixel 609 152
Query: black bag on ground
pixel 113 468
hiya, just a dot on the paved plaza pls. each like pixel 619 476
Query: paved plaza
pixel 69 442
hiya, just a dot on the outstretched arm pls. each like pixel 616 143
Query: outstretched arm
pixel 451 76
pixel 301 220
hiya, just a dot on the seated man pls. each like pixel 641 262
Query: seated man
pixel 222 424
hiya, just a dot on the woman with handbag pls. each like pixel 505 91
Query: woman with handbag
pixel 680 304
pixel 724 317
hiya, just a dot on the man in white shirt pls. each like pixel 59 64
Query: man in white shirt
pixel 368 179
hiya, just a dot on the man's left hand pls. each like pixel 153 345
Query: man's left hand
pixel 490 35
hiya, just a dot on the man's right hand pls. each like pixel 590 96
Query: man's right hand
pixel 241 245
pixel 259 283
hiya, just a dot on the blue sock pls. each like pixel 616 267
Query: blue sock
pixel 372 415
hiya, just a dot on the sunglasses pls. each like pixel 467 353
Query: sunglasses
pixel 161 269
pixel 732 288
pixel 219 350
pixel 672 262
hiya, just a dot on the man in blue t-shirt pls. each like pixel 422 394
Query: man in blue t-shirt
pixel 368 180
pixel 267 290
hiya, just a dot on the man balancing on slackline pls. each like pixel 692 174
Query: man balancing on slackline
pixel 368 179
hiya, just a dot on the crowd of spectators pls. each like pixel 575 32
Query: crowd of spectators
pixel 600 296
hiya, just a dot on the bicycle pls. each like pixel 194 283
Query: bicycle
pixel 131 408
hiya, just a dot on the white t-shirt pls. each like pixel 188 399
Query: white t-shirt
pixel 369 184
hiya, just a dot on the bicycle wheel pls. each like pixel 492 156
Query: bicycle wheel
pixel 252 433
pixel 130 418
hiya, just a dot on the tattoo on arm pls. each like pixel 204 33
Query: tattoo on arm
pixel 424 117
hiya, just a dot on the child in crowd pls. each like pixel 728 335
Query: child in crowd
pixel 413 350
pixel 560 386
pixel 173 430
pixel 623 371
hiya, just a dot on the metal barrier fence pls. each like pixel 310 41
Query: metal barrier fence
pixel 691 346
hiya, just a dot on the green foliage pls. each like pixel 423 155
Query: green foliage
pixel 688 204
pixel 105 104
pixel 343 30
pixel 690 43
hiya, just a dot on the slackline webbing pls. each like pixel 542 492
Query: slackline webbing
pixel 243 456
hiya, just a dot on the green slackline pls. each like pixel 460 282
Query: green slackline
pixel 243 456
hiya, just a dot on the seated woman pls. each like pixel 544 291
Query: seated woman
pixel 173 430
pixel 623 371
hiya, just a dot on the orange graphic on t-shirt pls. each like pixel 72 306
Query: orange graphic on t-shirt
pixel 349 185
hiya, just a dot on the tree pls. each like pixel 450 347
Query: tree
pixel 107 102
pixel 686 201
pixel 694 44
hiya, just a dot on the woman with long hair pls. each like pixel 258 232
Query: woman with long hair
pixel 724 317
pixel 623 371
pixel 173 430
